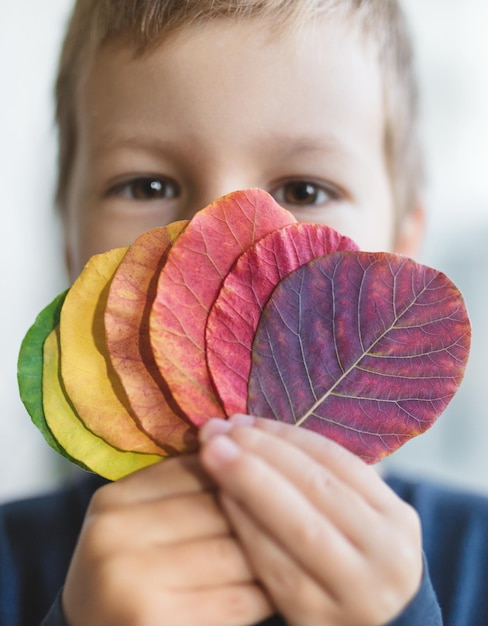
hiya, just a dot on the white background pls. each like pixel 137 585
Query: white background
pixel 452 51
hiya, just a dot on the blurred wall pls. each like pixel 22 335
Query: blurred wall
pixel 31 268
pixel 452 51
pixel 453 68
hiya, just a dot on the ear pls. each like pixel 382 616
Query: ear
pixel 410 232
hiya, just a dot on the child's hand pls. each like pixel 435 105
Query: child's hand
pixel 329 541
pixel 155 548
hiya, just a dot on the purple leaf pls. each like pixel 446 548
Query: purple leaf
pixel 365 348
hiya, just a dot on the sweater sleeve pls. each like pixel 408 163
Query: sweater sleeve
pixel 37 538
pixel 455 538
pixel 55 617
pixel 424 608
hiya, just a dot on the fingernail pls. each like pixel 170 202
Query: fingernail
pixel 221 449
pixel 214 426
pixel 241 419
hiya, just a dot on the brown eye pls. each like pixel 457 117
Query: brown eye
pixel 147 188
pixel 303 193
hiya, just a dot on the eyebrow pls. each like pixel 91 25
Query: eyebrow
pixel 329 143
pixel 292 145
pixel 296 144
pixel 109 140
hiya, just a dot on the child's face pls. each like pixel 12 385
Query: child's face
pixel 228 107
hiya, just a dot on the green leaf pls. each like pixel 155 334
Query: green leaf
pixel 76 440
pixel 29 368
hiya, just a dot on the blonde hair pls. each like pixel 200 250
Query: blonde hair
pixel 144 23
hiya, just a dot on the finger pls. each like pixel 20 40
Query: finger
pixel 176 476
pixel 129 592
pixel 177 519
pixel 200 564
pixel 282 510
pixel 368 595
pixel 361 477
pixel 344 550
pixel 345 508
pixel 232 605
pixel 293 592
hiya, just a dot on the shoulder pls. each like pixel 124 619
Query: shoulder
pixel 456 508
pixel 455 537
pixel 37 537
pixel 71 499
pixel 37 524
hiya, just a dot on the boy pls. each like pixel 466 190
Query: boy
pixel 164 106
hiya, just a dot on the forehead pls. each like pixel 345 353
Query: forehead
pixel 322 70
pixel 231 105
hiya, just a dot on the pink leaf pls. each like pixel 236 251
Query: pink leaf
pixel 235 315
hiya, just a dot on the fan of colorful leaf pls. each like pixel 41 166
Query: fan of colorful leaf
pixel 241 310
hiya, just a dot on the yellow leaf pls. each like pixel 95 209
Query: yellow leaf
pixel 91 383
pixel 71 433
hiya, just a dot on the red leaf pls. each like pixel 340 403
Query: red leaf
pixel 364 348
pixel 235 315
pixel 126 332
pixel 189 284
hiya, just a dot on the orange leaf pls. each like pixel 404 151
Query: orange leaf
pixel 126 325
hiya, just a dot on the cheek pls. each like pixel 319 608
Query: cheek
pixel 410 232
pixel 376 228
pixel 87 235
pixel 85 232
pixel 377 234
pixel 372 230
pixel 92 229
pixel 76 242
pixel 77 235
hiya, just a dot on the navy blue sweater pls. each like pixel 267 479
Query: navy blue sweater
pixel 37 538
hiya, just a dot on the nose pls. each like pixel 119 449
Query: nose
pixel 212 188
